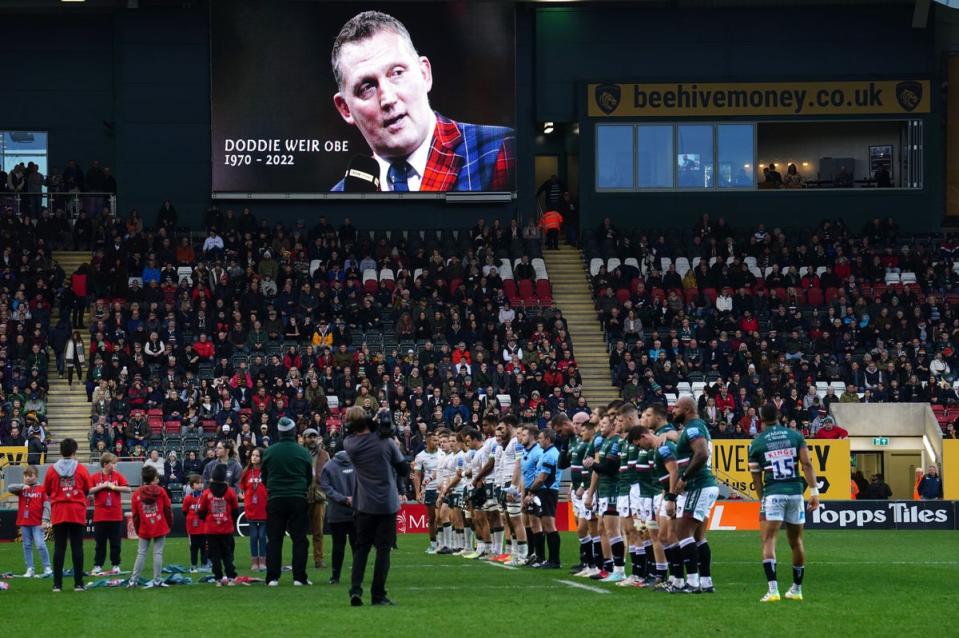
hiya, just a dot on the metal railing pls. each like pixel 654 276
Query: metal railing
pixel 72 202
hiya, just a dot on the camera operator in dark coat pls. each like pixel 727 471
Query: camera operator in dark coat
pixel 377 460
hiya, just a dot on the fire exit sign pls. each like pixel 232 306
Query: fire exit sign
pixel 880 440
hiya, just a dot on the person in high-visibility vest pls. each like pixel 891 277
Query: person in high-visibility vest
pixel 551 223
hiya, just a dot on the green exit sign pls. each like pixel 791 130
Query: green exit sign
pixel 880 440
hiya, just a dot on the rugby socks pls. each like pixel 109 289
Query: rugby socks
pixel 460 538
pixel 618 548
pixel 705 563
pixel 798 572
pixel 469 536
pixel 691 558
pixel 650 564
pixel 497 540
pixel 585 551
pixel 522 552
pixel 447 538
pixel 769 566
pixel 553 539
pixel 597 552
pixel 661 570
pixel 641 564
pixel 539 546
pixel 675 559
pixel 634 561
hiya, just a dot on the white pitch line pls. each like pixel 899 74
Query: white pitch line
pixel 500 565
pixel 595 590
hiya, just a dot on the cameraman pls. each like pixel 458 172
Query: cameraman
pixel 377 460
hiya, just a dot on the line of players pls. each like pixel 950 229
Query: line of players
pixel 492 494
pixel 638 481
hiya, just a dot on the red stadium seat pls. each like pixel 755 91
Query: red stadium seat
pixel 622 295
pixel 831 294
pixel 509 288
pixel 171 427
pixel 544 291
pixel 156 424
pixel 455 284
pixel 658 294
pixel 710 294
pixel 526 291
pixel 209 425
pixel 690 294
pixel 814 297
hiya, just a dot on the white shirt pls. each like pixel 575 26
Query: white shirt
pixel 506 461
pixel 417 161
pixel 428 463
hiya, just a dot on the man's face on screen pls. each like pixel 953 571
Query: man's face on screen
pixel 385 94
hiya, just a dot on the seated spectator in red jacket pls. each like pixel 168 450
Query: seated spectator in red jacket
pixel 830 430
pixel 204 348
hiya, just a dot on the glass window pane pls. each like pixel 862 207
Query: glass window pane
pixel 735 156
pixel 614 157
pixel 654 156
pixel 694 157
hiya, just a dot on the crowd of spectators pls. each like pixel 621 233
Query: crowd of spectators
pixel 802 317
pixel 195 340
pixel 69 190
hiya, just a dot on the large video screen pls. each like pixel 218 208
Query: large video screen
pixel 317 97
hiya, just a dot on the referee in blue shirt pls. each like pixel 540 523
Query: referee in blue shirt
pixel 545 487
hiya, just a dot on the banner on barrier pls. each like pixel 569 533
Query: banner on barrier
pixel 950 469
pixel 412 518
pixel 884 515
pixel 830 459
pixel 10 455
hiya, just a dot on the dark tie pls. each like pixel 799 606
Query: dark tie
pixel 397 175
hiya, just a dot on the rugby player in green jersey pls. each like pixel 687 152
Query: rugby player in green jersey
pixel 628 417
pixel 603 485
pixel 575 453
pixel 775 458
pixel 665 471
pixel 697 493
pixel 600 542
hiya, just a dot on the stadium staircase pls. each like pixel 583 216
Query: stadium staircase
pixel 68 412
pixel 572 295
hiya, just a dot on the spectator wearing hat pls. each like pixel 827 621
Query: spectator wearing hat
pixel 316 497
pixel 287 471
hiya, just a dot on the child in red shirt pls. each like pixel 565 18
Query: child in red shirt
pixel 218 508
pixel 33 516
pixel 66 485
pixel 254 507
pixel 195 528
pixel 152 518
pixel 107 486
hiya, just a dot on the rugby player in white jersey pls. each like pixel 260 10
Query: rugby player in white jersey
pixel 507 481
pixel 425 466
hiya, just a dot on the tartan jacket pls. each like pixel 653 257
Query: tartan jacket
pixel 468 157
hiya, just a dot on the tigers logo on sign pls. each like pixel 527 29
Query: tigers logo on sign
pixel 11 455
pixel 607 97
pixel 909 95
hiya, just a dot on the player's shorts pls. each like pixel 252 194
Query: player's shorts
pixel 607 506
pixel 646 511
pixel 786 508
pixel 659 505
pixel 478 496
pixel 429 498
pixel 455 500
pixel 548 500
pixel 696 503
pixel 622 505
pixel 490 504
pixel 634 500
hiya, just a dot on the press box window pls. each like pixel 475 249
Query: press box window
pixel 614 157
pixel 654 156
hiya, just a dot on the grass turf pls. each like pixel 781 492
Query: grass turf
pixel 869 582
